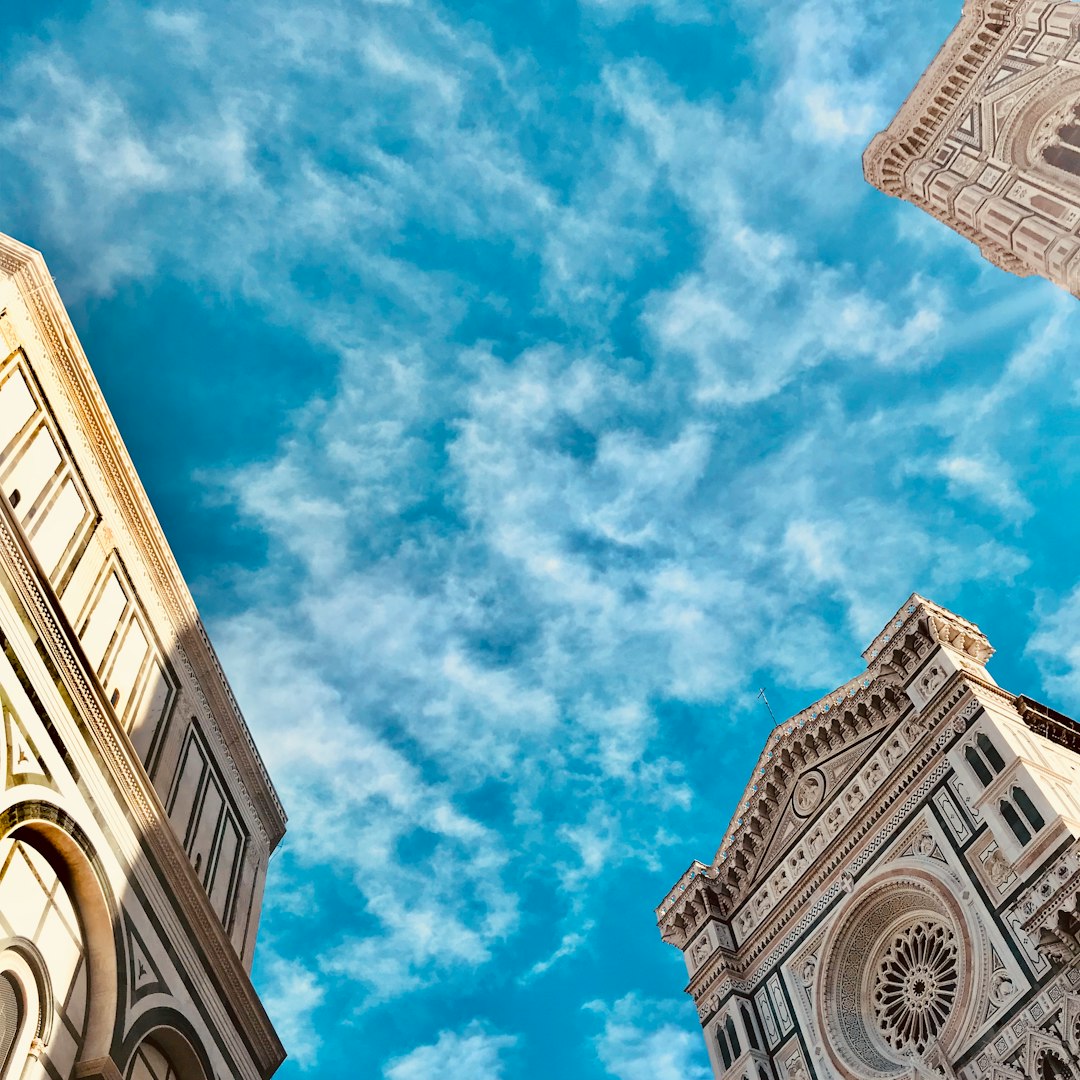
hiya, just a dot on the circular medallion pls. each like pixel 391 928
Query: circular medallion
pixel 809 792
pixel 890 974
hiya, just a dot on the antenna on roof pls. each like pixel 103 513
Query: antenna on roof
pixel 761 694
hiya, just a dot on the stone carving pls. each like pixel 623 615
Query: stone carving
pixel 915 985
pixel 809 792
pixel 931 682
pixel 701 951
pixel 925 844
pixel 988 142
pixel 997 867
pixel 1002 988
pixel 795 1066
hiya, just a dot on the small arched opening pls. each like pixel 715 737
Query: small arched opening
pixel 167 1053
pixel 58 903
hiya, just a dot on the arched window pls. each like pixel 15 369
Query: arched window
pixel 1052 1067
pixel 978 765
pixel 1069 134
pixel 1012 819
pixel 990 752
pixel 1066 158
pixel 751 1034
pixel 733 1037
pixel 722 1043
pixel 12 1012
pixel 761 1073
pixel 1028 809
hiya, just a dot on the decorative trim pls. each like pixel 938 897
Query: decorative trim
pixel 142 803
pixel 28 270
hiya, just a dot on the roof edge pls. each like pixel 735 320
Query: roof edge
pixel 26 266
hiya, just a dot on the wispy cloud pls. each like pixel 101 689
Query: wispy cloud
pixel 637 1044
pixel 1055 646
pixel 474 1054
pixel 634 396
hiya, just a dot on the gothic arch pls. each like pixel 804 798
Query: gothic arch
pixel 174 1037
pixel 60 840
pixel 1019 138
pixel 22 956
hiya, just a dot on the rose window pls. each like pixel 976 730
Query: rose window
pixel 895 977
pixel 915 986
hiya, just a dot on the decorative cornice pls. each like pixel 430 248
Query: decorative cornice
pixel 141 802
pixel 977 38
pixel 870 701
pixel 28 270
pixel 986 28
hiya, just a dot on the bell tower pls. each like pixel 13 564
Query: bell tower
pixel 989 139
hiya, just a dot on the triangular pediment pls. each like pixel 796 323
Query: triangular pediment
pixel 810 791
pixel 969 130
pixel 24 763
pixel 820 747
pixel 144 976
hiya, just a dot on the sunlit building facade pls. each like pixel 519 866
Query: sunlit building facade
pixel 897 895
pixel 137 819
pixel 989 139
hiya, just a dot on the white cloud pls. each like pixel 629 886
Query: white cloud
pixel 569 945
pixel 292 993
pixel 474 1054
pixel 1055 646
pixel 635 1045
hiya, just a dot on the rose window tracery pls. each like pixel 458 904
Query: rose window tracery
pixel 915 986
pixel 889 980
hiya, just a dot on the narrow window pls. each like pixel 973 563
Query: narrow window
pixel 977 763
pixel 1028 808
pixel 990 751
pixel 1064 158
pixel 751 1034
pixel 733 1037
pixel 11 1017
pixel 761 1074
pixel 1012 819
pixel 721 1041
pixel 1070 135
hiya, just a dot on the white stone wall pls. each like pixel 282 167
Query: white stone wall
pixel 134 834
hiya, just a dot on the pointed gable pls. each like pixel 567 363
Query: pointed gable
pixel 836 743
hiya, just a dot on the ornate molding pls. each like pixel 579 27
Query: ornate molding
pixel 197 655
pixel 869 702
pixel 140 800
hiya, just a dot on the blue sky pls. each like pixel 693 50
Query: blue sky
pixel 522 386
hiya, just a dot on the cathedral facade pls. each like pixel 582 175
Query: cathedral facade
pixel 897 895
pixel 989 139
pixel 136 817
